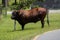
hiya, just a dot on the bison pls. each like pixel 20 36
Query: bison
pixel 27 16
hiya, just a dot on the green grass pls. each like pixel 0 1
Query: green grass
pixel 31 29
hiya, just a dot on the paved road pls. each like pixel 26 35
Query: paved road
pixel 54 11
pixel 9 12
pixel 52 35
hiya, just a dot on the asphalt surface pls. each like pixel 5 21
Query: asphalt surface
pixel 51 35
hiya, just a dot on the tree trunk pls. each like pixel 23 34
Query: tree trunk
pixel 5 2
pixel 0 12
pixel 15 1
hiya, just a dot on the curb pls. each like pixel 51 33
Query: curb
pixel 36 37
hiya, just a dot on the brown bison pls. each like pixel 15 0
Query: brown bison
pixel 26 16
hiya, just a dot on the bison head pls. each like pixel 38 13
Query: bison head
pixel 14 15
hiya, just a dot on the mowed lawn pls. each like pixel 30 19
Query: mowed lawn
pixel 30 31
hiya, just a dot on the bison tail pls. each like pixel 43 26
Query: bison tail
pixel 47 17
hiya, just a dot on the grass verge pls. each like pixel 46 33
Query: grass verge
pixel 31 29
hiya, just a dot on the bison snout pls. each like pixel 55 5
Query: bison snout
pixel 12 17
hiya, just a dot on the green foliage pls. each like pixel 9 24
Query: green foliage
pixel 15 7
pixel 0 1
pixel 20 3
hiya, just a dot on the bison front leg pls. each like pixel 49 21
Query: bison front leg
pixel 42 22
pixel 22 27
